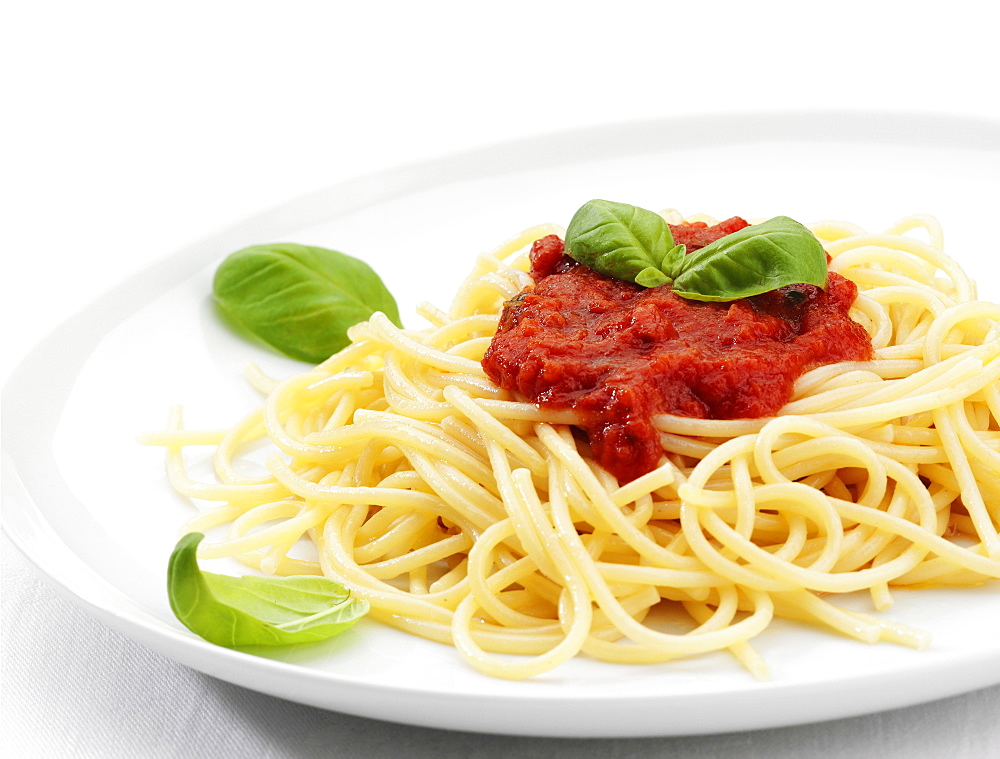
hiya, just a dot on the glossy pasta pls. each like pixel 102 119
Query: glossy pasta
pixel 467 517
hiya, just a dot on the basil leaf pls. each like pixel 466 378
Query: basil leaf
pixel 651 277
pixel 754 260
pixel 620 240
pixel 300 299
pixel 635 245
pixel 256 611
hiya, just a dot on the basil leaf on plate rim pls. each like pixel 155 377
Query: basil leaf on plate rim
pixel 635 245
pixel 256 611
pixel 300 299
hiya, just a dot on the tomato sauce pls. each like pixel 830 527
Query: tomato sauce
pixel 618 354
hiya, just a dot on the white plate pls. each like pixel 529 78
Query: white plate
pixel 93 511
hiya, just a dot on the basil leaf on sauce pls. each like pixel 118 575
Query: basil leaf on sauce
pixel 621 241
pixel 751 261
pixel 300 299
pixel 256 611
pixel 635 245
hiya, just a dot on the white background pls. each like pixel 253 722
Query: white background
pixel 129 129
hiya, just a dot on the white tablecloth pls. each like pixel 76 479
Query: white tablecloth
pixel 130 129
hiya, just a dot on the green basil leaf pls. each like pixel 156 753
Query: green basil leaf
pixel 651 277
pixel 256 611
pixel 619 240
pixel 754 260
pixel 300 299
pixel 672 261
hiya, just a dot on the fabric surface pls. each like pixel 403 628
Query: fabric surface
pixel 75 688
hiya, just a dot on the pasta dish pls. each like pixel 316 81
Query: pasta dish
pixel 467 514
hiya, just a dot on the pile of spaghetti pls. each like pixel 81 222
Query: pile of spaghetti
pixel 468 517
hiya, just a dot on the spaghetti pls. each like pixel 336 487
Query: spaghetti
pixel 467 517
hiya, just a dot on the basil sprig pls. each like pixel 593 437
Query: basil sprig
pixel 256 611
pixel 300 299
pixel 635 245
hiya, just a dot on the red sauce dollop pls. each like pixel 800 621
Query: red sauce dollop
pixel 618 353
